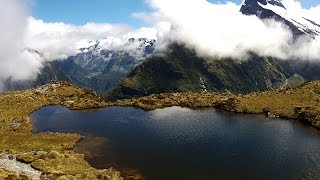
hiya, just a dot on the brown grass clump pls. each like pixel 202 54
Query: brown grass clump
pixel 7 175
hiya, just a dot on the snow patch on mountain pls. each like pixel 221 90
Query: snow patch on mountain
pixel 305 25
pixel 105 48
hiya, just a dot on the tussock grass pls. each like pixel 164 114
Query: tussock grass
pixel 4 174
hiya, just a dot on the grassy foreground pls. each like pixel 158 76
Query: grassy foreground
pixel 52 153
pixel 48 152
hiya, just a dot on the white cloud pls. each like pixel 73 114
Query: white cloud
pixel 221 30
pixel 15 62
pixel 306 49
pixel 60 40
pixel 295 7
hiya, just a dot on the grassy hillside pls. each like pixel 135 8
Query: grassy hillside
pixel 181 70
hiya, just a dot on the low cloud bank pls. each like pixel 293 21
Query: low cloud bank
pixel 59 41
pixel 15 61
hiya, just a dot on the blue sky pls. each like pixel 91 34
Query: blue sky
pixel 111 11
pixel 82 11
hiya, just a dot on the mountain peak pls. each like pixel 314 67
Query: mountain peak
pixel 264 2
pixel 274 9
pixel 250 7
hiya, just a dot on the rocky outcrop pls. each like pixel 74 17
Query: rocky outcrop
pixel 308 115
pixel 9 162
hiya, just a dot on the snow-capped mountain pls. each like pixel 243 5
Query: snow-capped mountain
pixel 99 65
pixel 97 55
pixel 105 62
pixel 274 9
pixel 137 46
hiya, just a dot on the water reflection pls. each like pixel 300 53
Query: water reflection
pixel 179 143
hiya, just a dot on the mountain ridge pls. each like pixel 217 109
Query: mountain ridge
pixel 182 70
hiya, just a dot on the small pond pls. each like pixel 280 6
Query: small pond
pixel 179 143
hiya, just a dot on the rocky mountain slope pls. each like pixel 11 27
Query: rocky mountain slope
pixel 182 70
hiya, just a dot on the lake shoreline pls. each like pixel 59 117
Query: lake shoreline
pixel 301 103
pixel 233 134
pixel 17 138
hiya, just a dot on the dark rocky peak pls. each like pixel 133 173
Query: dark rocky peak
pixel 142 41
pixel 255 7
pixel 251 7
pixel 253 3
pixel 275 3
pixel 144 44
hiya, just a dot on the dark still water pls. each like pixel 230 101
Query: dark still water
pixel 179 143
